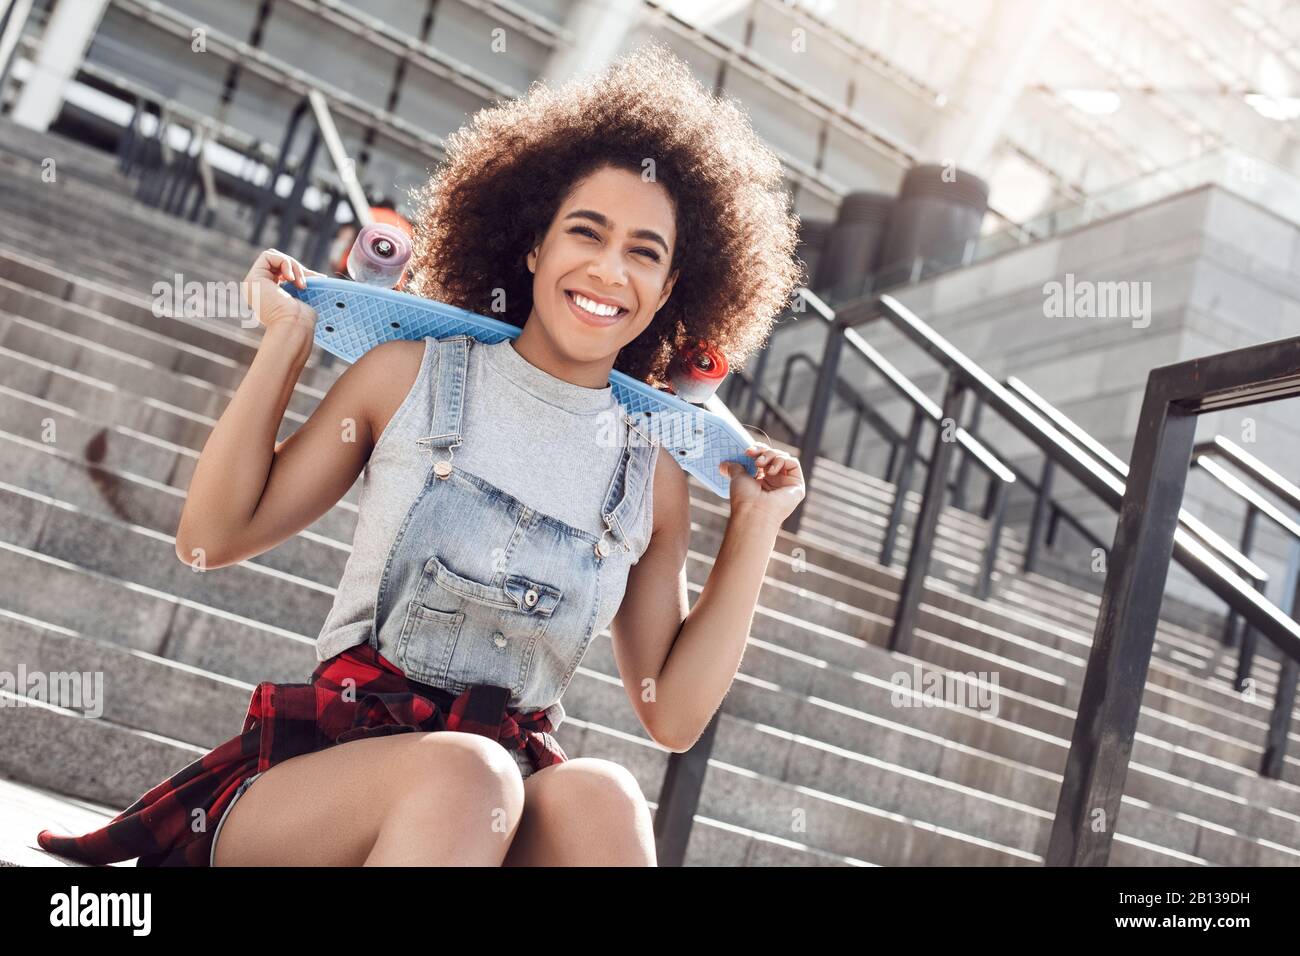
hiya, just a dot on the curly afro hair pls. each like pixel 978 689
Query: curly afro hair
pixel 510 169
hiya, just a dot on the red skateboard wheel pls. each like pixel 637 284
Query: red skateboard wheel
pixel 698 372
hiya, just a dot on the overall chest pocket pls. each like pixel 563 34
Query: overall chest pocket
pixel 461 631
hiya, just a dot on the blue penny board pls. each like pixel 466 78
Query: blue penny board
pixel 354 318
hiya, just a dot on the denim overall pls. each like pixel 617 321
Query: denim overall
pixel 480 587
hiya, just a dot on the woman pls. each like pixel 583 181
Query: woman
pixel 510 510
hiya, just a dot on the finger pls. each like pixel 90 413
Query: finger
pixel 274 259
pixel 299 278
pixel 279 265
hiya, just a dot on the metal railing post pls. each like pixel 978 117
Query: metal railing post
pixel 893 460
pixel 327 226
pixel 906 463
pixel 126 145
pixel 963 466
pixel 291 211
pixel 817 414
pixel 679 797
pixel 1247 542
pixel 853 439
pixel 984 584
pixel 908 607
pixel 1039 515
pixel 755 382
pixel 1106 718
pixel 1279 721
pixel 267 200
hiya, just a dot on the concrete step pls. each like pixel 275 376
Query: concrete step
pixel 734 794
pixel 816 758
pixel 140 377
pixel 48 433
pixel 326 572
pixel 45 286
pixel 43 203
pixel 148 537
pixel 52 587
pixel 136 502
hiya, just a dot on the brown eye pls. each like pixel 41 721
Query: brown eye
pixel 590 232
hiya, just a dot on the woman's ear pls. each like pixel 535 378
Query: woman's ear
pixel 530 259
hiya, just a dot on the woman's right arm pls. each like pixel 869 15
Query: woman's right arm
pixel 249 493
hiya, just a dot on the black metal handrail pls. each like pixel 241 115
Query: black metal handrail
pixel 292 210
pixel 168 180
pixel 1221 447
pixel 1056 511
pixel 1106 458
pixel 178 182
pixel 861 408
pixel 1257 506
pixel 1202 561
pixel 995 501
pixel 1146 534
pixel 924 408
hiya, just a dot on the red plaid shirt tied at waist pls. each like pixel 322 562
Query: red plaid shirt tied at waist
pixel 355 694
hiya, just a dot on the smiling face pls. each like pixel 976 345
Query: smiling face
pixel 601 272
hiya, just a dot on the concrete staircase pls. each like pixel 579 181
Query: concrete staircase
pixel 103 411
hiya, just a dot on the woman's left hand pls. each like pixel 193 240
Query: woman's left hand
pixel 777 489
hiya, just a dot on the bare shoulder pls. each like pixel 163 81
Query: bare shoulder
pixel 385 376
pixel 671 497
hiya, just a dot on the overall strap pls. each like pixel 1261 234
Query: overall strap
pixel 449 392
pixel 627 489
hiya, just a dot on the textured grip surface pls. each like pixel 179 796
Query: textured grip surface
pixel 354 318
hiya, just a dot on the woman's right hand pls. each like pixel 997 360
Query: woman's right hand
pixel 270 303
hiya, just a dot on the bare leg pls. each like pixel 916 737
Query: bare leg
pixel 584 812
pixel 445 798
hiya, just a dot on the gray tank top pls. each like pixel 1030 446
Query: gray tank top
pixel 551 444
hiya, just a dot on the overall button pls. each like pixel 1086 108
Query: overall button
pixel 442 469
pixel 499 639
pixel 531 597
pixel 601 548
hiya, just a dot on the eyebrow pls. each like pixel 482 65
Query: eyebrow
pixel 601 220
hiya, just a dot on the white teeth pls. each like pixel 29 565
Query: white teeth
pixel 608 311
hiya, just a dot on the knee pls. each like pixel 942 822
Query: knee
pixel 469 764
pixel 600 791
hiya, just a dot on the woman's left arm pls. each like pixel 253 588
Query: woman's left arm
pixel 677 666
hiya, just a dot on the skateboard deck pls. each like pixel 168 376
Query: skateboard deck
pixel 354 318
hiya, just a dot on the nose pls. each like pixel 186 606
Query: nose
pixel 606 267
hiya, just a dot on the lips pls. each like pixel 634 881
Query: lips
pixel 590 318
